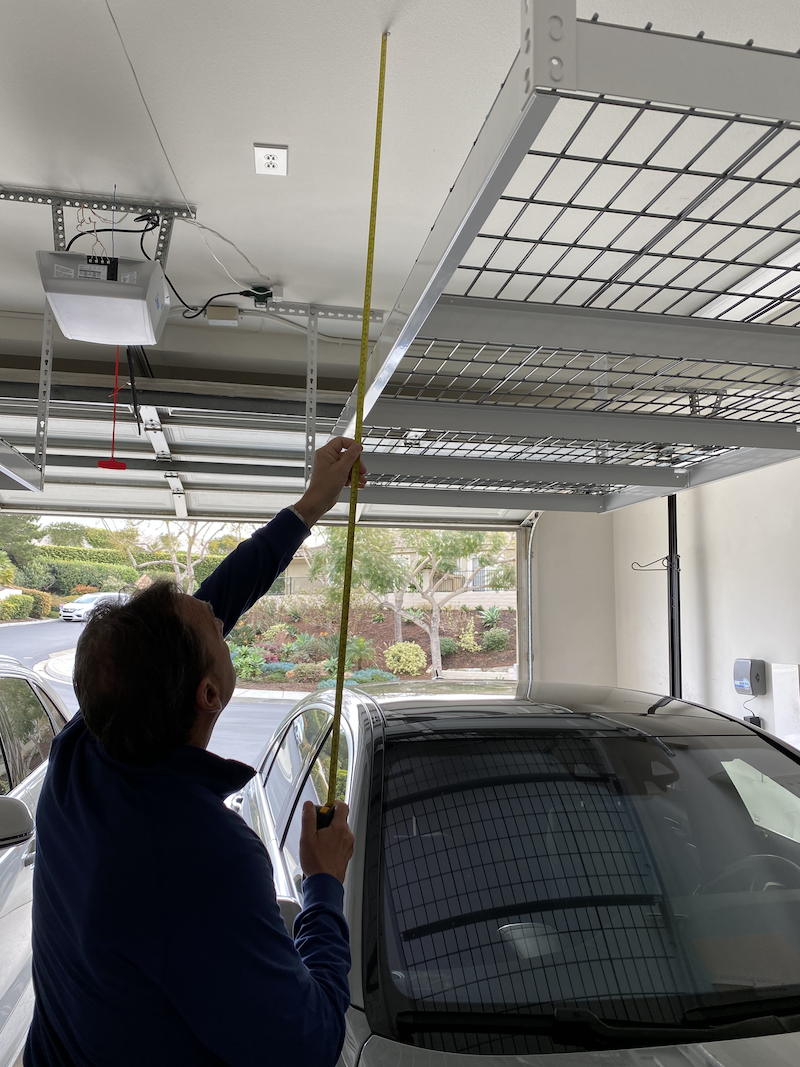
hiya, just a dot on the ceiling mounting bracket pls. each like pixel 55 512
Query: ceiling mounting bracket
pixel 311 394
pixel 57 200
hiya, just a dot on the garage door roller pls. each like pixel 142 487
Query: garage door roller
pixel 325 812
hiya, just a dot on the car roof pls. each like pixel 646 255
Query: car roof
pixel 424 707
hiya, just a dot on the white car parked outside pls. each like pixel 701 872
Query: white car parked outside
pixel 80 609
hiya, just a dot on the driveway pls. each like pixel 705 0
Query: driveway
pixel 242 731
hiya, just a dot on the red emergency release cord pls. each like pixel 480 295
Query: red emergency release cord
pixel 114 464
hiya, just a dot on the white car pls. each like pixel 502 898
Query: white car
pixel 30 716
pixel 574 874
pixel 80 609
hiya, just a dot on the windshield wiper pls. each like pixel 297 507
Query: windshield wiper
pixel 570 1026
pixel 756 1003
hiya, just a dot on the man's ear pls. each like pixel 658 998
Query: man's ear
pixel 208 697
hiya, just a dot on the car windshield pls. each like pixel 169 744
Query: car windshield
pixel 635 879
pixel 87 598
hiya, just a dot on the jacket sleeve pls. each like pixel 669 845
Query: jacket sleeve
pixel 249 993
pixel 248 572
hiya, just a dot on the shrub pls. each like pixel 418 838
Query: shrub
pixel 465 607
pixel 495 640
pixel 276 633
pixel 262 614
pixel 372 674
pixel 405 657
pixel 42 603
pixel 306 672
pixel 448 646
pixel 303 648
pixel 273 676
pixel 466 638
pixel 248 662
pixel 329 643
pixel 361 652
pixel 242 634
pixel 6 569
pixel 79 590
pixel 16 606
pixel 330 683
pixel 490 616
pixel 295 609
pixel 36 575
pixel 378 616
pixel 280 667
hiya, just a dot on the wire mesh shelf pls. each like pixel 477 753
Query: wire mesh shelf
pixel 648 207
pixel 558 378
pixel 467 445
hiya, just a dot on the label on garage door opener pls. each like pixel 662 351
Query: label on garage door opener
pixel 98 271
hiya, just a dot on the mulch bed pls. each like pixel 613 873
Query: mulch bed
pixel 382 634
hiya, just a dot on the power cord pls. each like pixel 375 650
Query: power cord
pixel 152 224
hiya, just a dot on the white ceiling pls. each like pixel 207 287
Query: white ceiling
pixel 218 78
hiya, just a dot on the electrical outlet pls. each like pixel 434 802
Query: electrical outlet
pixel 271 159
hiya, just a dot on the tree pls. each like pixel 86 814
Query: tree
pixel 6 569
pixel 222 546
pixel 16 534
pixel 394 561
pixel 186 544
pixel 224 543
pixel 66 533
pixel 378 567
pixel 438 556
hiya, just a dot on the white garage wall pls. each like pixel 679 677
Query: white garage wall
pixel 740 585
pixel 597 620
pixel 572 585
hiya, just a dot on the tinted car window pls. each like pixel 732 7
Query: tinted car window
pixel 56 716
pixel 295 748
pixel 615 874
pixel 30 726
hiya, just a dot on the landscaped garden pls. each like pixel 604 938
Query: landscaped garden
pixel 293 642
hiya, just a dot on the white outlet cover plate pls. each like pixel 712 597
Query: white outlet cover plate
pixel 271 159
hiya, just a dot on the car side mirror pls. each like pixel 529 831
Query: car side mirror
pixel 16 824
pixel 290 909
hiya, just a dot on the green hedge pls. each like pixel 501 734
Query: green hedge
pixel 67 575
pixel 17 606
pixel 42 603
pixel 72 554
pixel 52 554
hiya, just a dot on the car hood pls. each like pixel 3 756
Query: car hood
pixel 779 1050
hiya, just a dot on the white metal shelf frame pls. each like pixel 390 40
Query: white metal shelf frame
pixel 659 177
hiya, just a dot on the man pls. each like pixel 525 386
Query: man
pixel 157 938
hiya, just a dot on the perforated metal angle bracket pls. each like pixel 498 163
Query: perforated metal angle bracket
pixel 57 200
pixel 548 46
pixel 323 311
pixel 311 394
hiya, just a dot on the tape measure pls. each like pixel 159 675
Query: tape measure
pixel 325 813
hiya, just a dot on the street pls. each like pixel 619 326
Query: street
pixel 242 731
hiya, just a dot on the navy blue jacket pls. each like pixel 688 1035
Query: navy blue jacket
pixel 157 938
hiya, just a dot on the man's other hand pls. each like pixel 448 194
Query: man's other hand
pixel 325 851
pixel 331 473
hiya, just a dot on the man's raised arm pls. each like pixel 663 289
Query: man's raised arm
pixel 248 572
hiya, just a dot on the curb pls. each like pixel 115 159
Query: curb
pixel 267 695
pixel 49 668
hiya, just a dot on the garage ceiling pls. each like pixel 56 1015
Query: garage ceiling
pixel 598 307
